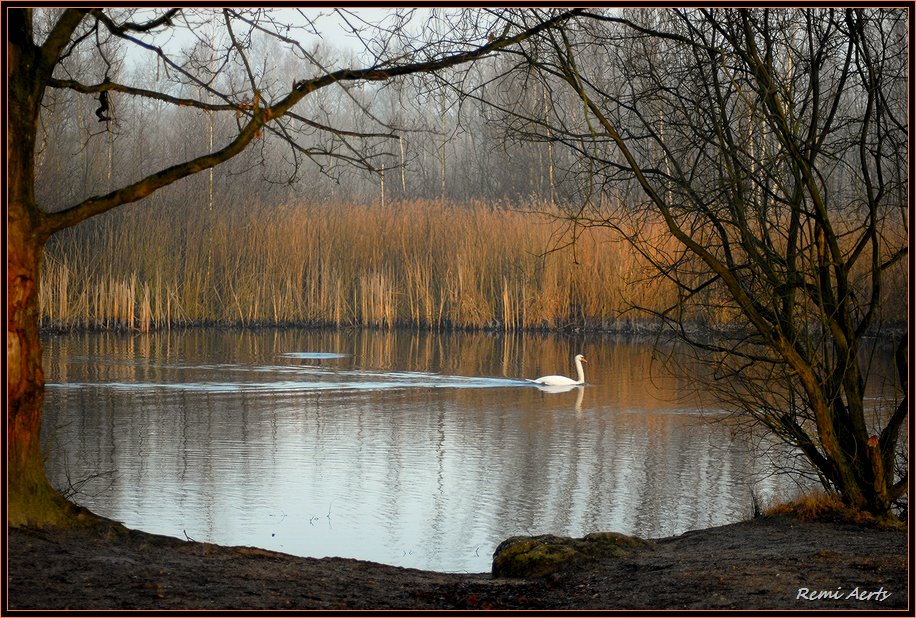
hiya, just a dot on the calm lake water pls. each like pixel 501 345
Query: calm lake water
pixel 417 450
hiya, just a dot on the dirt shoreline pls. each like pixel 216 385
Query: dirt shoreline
pixel 764 563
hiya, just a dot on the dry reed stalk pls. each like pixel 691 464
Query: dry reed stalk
pixel 145 310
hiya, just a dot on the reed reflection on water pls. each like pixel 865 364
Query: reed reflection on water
pixel 421 450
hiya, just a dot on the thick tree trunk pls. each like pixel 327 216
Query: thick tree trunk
pixel 31 499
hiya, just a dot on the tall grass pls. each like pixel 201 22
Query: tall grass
pixel 420 264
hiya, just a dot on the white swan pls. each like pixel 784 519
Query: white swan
pixel 563 380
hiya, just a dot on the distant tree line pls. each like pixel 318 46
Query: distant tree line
pixel 448 145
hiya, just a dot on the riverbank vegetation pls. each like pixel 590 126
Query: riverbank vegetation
pixel 422 264
pixel 821 506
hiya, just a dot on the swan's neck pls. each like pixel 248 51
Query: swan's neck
pixel 579 371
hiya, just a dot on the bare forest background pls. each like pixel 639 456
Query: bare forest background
pixel 464 223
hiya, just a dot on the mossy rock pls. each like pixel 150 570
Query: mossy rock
pixel 602 544
pixel 532 556
pixel 540 556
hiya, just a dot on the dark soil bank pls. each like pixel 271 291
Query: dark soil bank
pixel 775 562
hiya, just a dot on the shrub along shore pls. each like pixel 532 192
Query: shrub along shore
pixel 428 265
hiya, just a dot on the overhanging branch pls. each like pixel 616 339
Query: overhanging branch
pixel 259 115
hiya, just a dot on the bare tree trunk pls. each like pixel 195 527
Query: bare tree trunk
pixel 403 168
pixel 31 499
pixel 110 143
pixel 550 179
pixel 442 147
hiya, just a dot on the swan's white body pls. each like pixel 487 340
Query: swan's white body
pixel 563 380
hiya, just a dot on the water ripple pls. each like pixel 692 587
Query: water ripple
pixel 312 379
